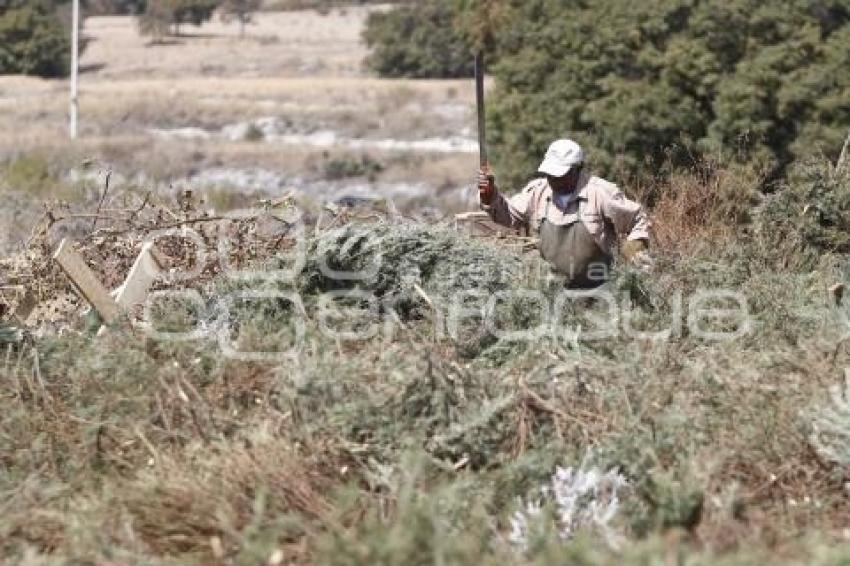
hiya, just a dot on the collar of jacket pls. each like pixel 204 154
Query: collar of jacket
pixel 581 190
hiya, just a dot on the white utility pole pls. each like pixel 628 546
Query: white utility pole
pixel 75 64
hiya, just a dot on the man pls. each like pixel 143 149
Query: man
pixel 577 217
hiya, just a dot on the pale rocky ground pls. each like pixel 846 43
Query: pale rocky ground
pixel 237 119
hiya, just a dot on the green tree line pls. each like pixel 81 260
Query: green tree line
pixel 652 84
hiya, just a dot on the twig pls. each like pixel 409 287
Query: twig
pixel 147 444
pixel 177 224
pixel 180 223
pixel 38 229
pixel 537 401
pixel 12 496
pixel 46 398
pixel 102 199
pixel 423 294
pixel 95 217
pixel 840 163
pixel 17 369
pixel 144 203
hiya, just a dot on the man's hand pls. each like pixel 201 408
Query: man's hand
pixel 636 252
pixel 486 185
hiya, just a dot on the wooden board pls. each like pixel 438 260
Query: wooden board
pixel 143 274
pixel 479 224
pixel 86 282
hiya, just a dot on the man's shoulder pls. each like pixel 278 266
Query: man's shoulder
pixel 598 184
pixel 536 185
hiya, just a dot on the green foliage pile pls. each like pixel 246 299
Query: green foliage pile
pixel 33 40
pixel 417 41
pixel 810 215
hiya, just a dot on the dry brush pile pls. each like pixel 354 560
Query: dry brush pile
pixel 424 445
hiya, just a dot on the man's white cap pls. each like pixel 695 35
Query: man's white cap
pixel 561 156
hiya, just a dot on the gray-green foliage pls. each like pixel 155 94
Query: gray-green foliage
pixel 10 335
pixel 403 448
pixel 809 215
pixel 829 427
pixel 33 40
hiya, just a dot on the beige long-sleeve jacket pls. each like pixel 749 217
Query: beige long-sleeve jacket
pixel 606 212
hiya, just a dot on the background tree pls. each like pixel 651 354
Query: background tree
pixel 160 16
pixel 110 7
pixel 33 40
pixel 157 19
pixel 417 41
pixel 645 85
pixel 240 10
pixel 668 82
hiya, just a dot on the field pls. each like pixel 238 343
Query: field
pixel 369 385
pixel 287 107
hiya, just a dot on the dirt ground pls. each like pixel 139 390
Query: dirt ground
pixel 277 44
pixel 289 106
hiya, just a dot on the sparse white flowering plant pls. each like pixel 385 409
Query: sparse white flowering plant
pixel 581 499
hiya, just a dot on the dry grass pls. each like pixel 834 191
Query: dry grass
pixel 361 107
pixel 278 44
pixel 129 89
pixel 701 208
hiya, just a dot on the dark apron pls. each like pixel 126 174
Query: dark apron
pixel 573 253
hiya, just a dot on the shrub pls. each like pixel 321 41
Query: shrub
pixel 809 216
pixel 345 167
pixel 32 40
pixel 160 15
pixel 321 6
pixel 30 174
pixel 241 11
pixel 105 7
pixel 417 41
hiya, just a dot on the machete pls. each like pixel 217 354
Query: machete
pixel 479 100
